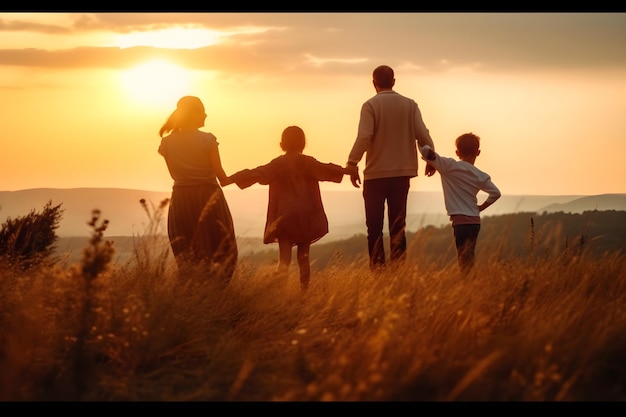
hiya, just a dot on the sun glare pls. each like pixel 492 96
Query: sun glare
pixel 158 83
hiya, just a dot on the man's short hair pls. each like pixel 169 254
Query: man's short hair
pixel 383 76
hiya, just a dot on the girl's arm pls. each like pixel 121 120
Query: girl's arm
pixel 246 177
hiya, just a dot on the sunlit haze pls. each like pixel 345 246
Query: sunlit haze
pixel 83 95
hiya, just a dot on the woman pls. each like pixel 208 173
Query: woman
pixel 200 225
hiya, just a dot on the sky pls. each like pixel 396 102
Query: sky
pixel 83 95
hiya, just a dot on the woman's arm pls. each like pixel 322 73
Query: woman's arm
pixel 216 163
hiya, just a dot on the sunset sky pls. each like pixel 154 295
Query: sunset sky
pixel 83 95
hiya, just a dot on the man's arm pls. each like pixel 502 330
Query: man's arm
pixel 362 142
pixel 423 139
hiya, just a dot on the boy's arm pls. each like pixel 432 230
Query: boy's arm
pixel 427 152
pixel 485 205
pixel 493 195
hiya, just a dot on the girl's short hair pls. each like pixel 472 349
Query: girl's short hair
pixel 468 144
pixel 292 139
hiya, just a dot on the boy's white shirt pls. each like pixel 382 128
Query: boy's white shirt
pixel 461 181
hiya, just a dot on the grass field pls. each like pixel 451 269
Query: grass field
pixel 538 328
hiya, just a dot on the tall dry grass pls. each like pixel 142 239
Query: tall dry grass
pixel 550 327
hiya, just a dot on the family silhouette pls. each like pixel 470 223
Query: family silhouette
pixel 391 134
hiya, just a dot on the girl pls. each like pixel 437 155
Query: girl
pixel 295 214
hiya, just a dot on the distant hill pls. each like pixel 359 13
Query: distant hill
pixel 343 208
pixel 504 236
pixel 120 206
pixel 597 202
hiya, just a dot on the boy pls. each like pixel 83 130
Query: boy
pixel 461 181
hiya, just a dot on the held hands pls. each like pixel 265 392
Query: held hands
pixel 428 155
pixel 353 171
pixel 224 181
pixel 430 170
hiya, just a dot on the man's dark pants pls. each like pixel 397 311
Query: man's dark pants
pixel 394 191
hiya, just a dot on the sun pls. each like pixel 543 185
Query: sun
pixel 157 83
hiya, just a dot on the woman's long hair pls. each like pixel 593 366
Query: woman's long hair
pixel 189 110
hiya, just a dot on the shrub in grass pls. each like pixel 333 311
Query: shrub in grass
pixel 28 241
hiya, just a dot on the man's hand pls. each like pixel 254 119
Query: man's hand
pixel 428 155
pixel 356 180
pixel 353 171
pixel 430 170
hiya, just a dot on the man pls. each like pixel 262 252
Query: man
pixel 389 127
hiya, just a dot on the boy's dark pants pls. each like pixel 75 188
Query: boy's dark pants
pixel 465 237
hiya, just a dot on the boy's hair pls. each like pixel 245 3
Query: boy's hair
pixel 293 139
pixel 468 144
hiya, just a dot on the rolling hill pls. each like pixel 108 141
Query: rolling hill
pixel 344 208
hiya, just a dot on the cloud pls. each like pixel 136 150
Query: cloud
pixel 327 43
pixel 22 26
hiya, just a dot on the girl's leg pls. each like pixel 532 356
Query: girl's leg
pixel 305 265
pixel 284 256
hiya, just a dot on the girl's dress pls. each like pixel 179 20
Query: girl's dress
pixel 295 211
